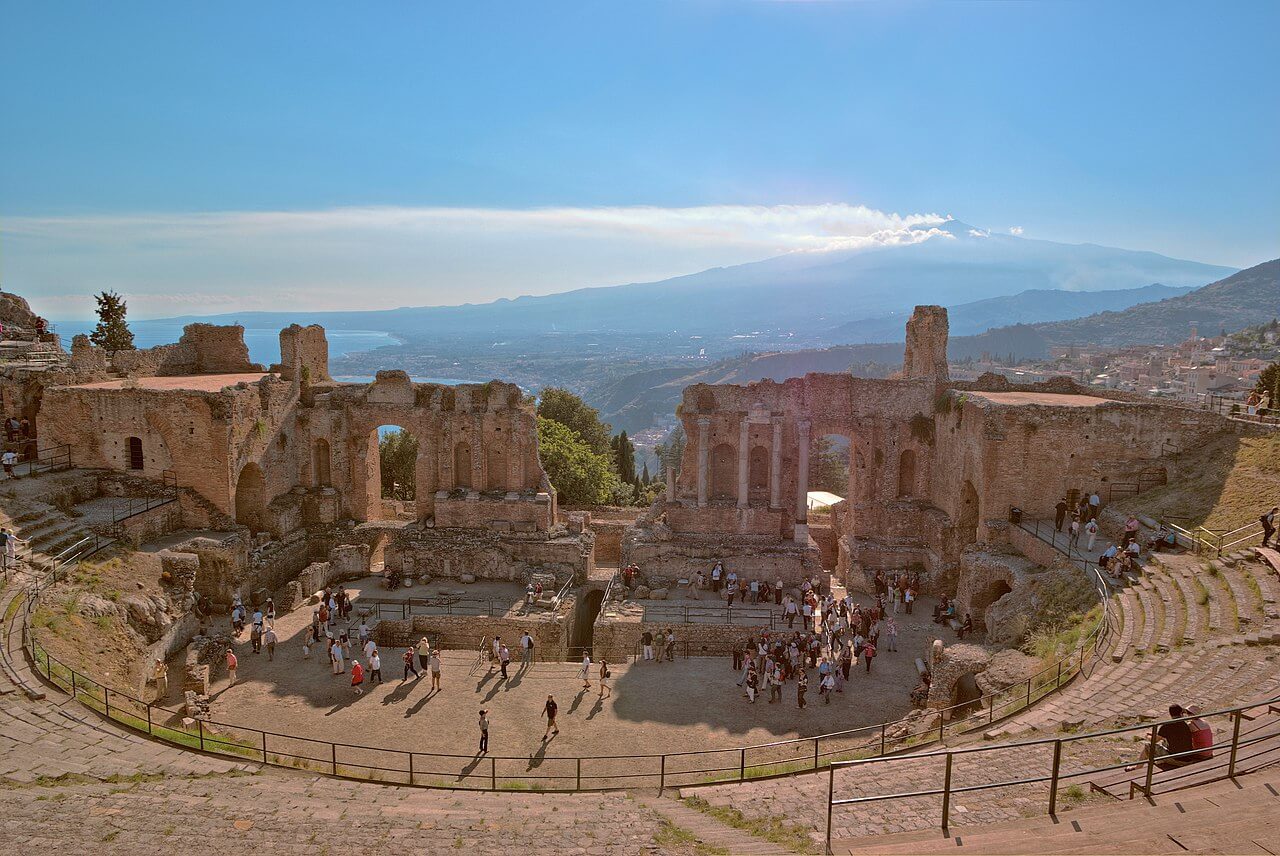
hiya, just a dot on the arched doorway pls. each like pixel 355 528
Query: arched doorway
pixel 829 468
pixel 251 498
pixel 320 471
pixel 724 472
pixel 397 473
pixel 758 473
pixel 978 606
pixel 967 523
pixel 907 473
pixel 137 460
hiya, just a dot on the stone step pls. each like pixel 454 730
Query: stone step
pixel 1248 602
pixel 1197 614
pixel 1174 623
pixel 1220 601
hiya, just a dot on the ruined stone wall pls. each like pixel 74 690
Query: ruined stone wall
pixel 304 354
pixel 926 352
pixel 486 555
pixel 464 632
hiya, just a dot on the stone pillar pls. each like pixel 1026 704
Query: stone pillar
pixel 671 483
pixel 744 440
pixel 704 427
pixel 802 482
pixel 775 466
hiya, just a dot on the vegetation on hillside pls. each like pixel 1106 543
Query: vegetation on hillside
pixel 1221 485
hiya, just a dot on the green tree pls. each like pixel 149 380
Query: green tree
pixel 828 467
pixel 1269 382
pixel 580 475
pixel 561 405
pixel 398 464
pixel 645 478
pixel 624 456
pixel 670 453
pixel 112 333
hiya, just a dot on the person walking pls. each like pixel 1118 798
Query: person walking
pixel 1268 522
pixel 605 692
pixel 869 653
pixel 549 711
pixel 504 660
pixel 231 667
pixel 337 657
pixel 585 672
pixel 357 677
pixel 526 650
pixel 269 639
pixel 434 661
pixel 891 633
pixel 375 667
pixel 1091 531
pixel 909 598
pixel 423 650
pixel 802 686
pixel 255 637
pixel 409 665
pixel 484 732
pixel 1060 514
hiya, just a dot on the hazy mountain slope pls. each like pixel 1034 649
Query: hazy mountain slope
pixel 802 292
pixel 1033 305
pixel 1233 303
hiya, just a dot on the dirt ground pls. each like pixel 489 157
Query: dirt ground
pixel 654 707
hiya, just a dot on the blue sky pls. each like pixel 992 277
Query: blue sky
pixel 250 155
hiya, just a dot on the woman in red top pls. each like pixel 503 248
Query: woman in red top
pixel 357 677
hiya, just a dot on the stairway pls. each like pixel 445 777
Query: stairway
pixel 47 530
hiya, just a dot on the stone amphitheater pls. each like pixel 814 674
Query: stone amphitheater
pixel 1053 768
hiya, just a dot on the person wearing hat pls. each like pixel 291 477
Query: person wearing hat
pixel 357 677
pixel 161 675
pixel 424 653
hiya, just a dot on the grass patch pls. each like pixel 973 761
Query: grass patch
pixel 519 785
pixel 671 837
pixel 775 828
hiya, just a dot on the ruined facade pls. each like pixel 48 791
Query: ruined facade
pixel 280 450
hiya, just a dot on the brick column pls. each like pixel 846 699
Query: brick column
pixel 671 483
pixel 802 482
pixel 775 466
pixel 743 447
pixel 704 426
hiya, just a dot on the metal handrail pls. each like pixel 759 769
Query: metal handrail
pixel 1056 774
pixel 664 769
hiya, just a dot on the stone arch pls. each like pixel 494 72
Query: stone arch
pixel 970 511
pixel 724 472
pixel 462 465
pixel 907 473
pixel 321 475
pixel 251 498
pixel 983 600
pixel 758 471
pixel 135 458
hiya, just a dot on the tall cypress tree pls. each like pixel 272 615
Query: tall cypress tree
pixel 112 333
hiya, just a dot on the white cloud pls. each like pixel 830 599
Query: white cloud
pixel 376 257
pixel 1015 230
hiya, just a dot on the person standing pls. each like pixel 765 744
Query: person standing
pixel 646 643
pixel 1074 530
pixel 1268 522
pixel 484 732
pixel 269 639
pixel 375 667
pixel 337 657
pixel 791 611
pixel 161 673
pixel 549 711
pixel 1095 505
pixel 869 653
pixel 255 637
pixel 585 672
pixel 8 460
pixel 1060 514
pixel 671 646
pixel 909 598
pixel 1091 530
pixel 716 573
pixel 231 667
pixel 802 686
pixel 434 661
pixel 526 650
pixel 504 660
pixel 777 593
pixel 891 631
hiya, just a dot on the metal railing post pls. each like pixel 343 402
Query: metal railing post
pixel 742 764
pixel 815 753
pixel 1053 779
pixel 1058 683
pixel 333 757
pixel 942 720
pixel 493 774
pixel 200 732
pixel 662 775
pixel 1151 761
pixel 991 710
pixel 946 796
pixel 264 747
pixel 410 767
pixel 579 778
pixel 148 719
pixel 1235 744
pixel 106 699
pixel 1028 692
pixel 883 727
pixel 831 792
